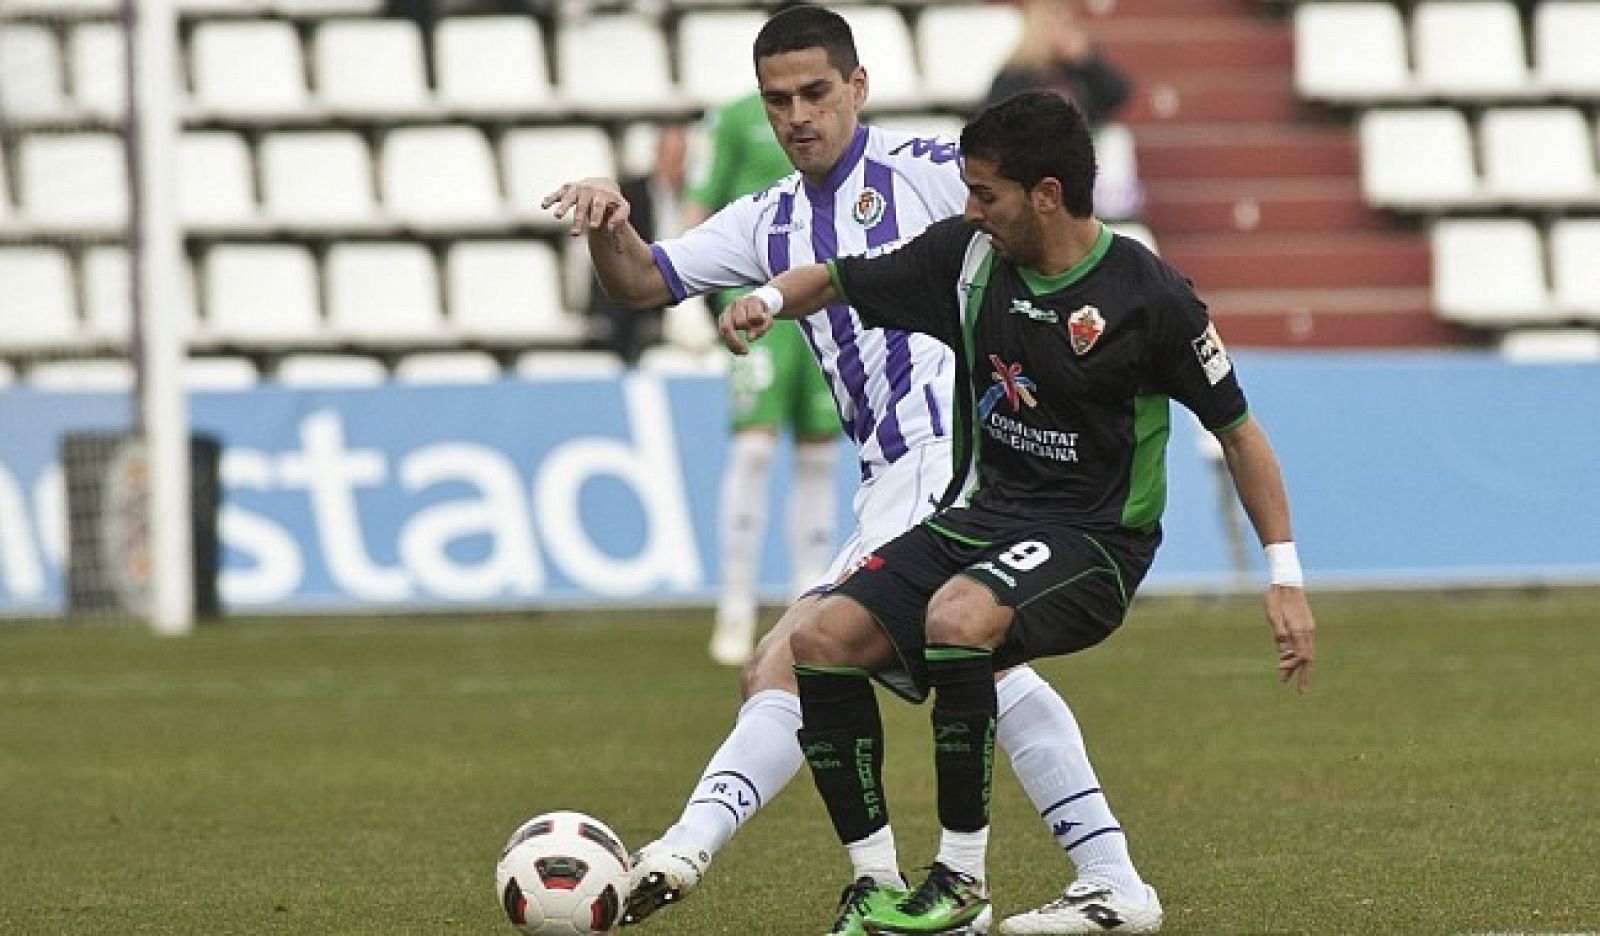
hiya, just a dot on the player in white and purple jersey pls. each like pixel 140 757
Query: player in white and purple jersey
pixel 856 189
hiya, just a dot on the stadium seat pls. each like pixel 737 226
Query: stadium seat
pixel 714 61
pixel 38 312
pixel 1574 252
pixel 1550 345
pixel 492 64
pixel 31 77
pixel 320 8
pixel 98 67
pixel 248 68
pixel 1566 36
pixel 107 305
pixel 215 181
pixel 262 296
pixel 60 8
pixel 93 375
pixel 8 377
pixel 73 180
pixel 219 373
pixel 370 66
pixel 669 361
pixel 384 294
pixel 1538 155
pixel 591 81
pixel 318 178
pixel 507 293
pixel 1117 191
pixel 1489 271
pixel 330 371
pixel 1417 158
pixel 441 177
pixel 599 365
pixel 1350 52
pixel 885 45
pixel 538 160
pixel 1470 49
pixel 923 125
pixel 448 367
pixel 5 193
pixel 962 47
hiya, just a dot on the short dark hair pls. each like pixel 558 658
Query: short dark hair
pixel 803 26
pixel 1036 135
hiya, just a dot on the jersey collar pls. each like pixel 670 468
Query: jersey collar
pixel 1041 285
pixel 842 168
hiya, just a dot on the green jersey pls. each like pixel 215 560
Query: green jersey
pixel 745 157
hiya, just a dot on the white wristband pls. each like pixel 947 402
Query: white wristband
pixel 770 298
pixel 1283 565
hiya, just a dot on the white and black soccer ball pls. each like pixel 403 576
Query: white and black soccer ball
pixel 563 874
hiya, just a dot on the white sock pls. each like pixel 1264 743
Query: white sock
pixel 759 757
pixel 743 521
pixel 964 851
pixel 1038 730
pixel 875 857
pixel 812 506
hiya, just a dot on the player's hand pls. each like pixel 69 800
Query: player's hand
pixel 1294 630
pixel 594 202
pixel 743 322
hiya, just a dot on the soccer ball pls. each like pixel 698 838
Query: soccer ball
pixel 563 874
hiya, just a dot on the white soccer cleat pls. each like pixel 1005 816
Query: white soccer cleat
pixel 734 640
pixel 1087 907
pixel 662 875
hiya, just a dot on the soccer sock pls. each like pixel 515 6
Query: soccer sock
pixel 812 506
pixel 875 857
pixel 1048 756
pixel 964 708
pixel 842 740
pixel 743 521
pixel 757 760
pixel 964 851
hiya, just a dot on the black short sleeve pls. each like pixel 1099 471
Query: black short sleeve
pixel 1191 362
pixel 913 287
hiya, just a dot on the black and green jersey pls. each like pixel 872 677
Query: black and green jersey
pixel 1064 380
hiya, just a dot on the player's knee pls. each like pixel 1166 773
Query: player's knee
pixel 826 633
pixel 965 614
pixel 772 665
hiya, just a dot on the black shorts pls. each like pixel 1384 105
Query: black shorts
pixel 1069 588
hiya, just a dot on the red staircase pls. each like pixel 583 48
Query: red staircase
pixel 1253 193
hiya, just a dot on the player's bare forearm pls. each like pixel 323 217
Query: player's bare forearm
pixel 795 294
pixel 622 260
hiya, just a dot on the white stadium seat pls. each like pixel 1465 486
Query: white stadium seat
pixel 507 292
pixel 1489 272
pixel 1538 155
pixel 98 66
pixel 448 367
pixel 107 307
pixel 1470 48
pixel 962 47
pixel 1551 345
pixel 8 377
pixel 317 178
pixel 441 176
pixel 1574 252
pixel 384 294
pixel 714 61
pixel 1417 158
pixel 590 52
pixel 215 181
pixel 330 371
pixel 884 43
pixel 219 373
pixel 95 375
pixel 5 192
pixel 248 68
pixel 594 365
pixel 1566 37
pixel 492 64
pixel 1117 191
pixel 38 312
pixel 1350 51
pixel 370 66
pixel 538 160
pixel 31 77
pixel 73 179
pixel 262 295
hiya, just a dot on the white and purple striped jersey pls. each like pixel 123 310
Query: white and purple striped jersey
pixel 892 388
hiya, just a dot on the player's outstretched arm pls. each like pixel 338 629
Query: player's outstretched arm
pixel 1259 481
pixel 795 294
pixel 621 258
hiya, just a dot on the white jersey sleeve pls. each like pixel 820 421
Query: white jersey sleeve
pixel 720 252
pixel 931 166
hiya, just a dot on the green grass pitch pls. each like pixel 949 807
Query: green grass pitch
pixel 359 776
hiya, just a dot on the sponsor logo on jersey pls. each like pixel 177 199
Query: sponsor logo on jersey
pixel 1026 307
pixel 1010 383
pixel 870 205
pixel 1213 355
pixel 1084 328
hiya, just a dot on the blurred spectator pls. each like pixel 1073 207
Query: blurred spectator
pixel 1057 53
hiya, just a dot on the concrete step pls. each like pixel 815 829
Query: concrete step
pixel 1299 260
pixel 1142 46
pixel 1214 97
pixel 1244 151
pixel 1260 206
pixel 1417 328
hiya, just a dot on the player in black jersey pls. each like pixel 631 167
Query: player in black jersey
pixel 1070 341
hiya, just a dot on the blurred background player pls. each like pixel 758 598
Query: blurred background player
pixel 779 388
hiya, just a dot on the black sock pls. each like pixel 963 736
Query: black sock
pixel 842 738
pixel 964 707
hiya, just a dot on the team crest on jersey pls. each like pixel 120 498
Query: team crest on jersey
pixel 1213 355
pixel 1084 328
pixel 870 206
pixel 1009 383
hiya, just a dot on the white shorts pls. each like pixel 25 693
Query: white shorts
pixel 891 502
